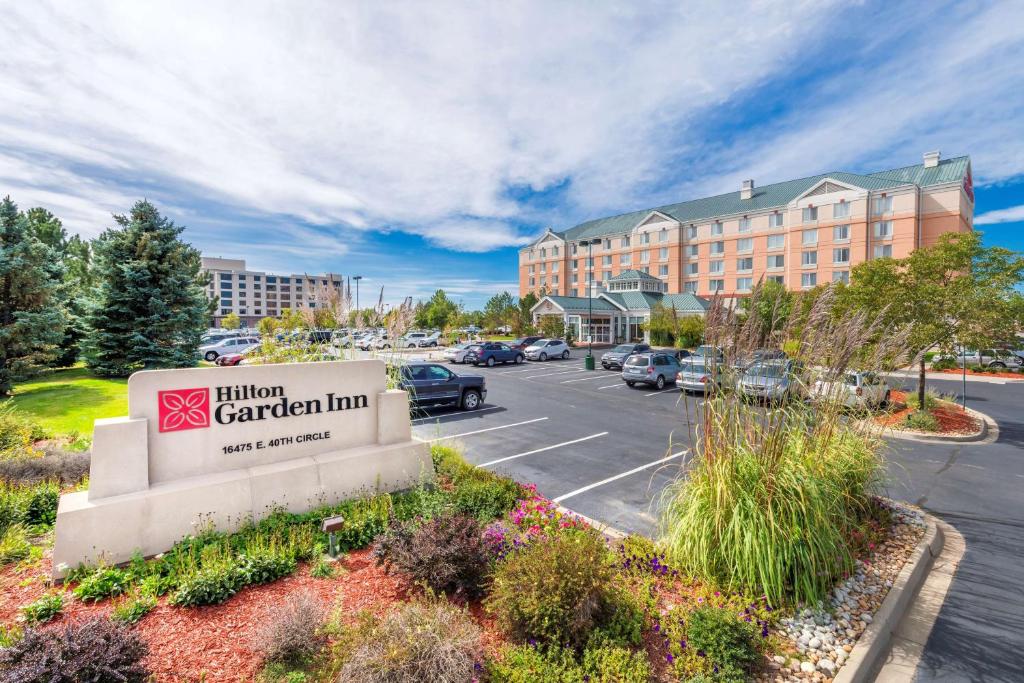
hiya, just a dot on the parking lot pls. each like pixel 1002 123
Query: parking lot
pixel 584 438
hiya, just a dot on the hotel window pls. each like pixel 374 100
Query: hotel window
pixel 881 205
pixel 781 279
pixel 663 254
pixel 590 262
pixel 645 238
pixel 607 244
pixel 543 281
pixel 840 210
pixel 841 233
pixel 883 251
pixel 543 268
pixel 543 253
pixel 692 268
pixel 744 284
pixel 225 311
pixel 606 260
pixel 554 267
pixel 775 220
pixel 225 276
pixel 691 232
pixel 607 275
pixel 574 248
pixel 532 282
pixel 530 269
pixel 744 225
pixel 574 264
pixel 717 248
pixel 690 287
pixel 663 235
pixel 575 278
pixel 808 280
pixel 645 256
pixel 744 245
pixel 590 278
pixel 554 251
pixel 883 230
pixel 717 228
pixel 716 285
pixel 776 241
pixel 841 276
pixel 624 242
pixel 808 258
pixel 717 267
pixel 810 214
pixel 554 279
pixel 625 259
pixel 776 261
pixel 809 238
pixel 271 278
pixel 692 250
pixel 745 264
pixel 663 271
pixel 841 255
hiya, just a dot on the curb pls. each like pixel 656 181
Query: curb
pixel 872 649
pixel 989 432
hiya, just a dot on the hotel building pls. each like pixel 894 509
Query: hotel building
pixel 801 233
pixel 254 295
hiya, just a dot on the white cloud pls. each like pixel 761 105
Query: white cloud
pixel 1011 214
pixel 369 115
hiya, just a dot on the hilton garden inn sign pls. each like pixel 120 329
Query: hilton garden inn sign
pixel 225 445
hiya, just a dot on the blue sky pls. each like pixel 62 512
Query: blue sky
pixel 419 144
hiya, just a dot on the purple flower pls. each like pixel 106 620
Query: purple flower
pixel 669 658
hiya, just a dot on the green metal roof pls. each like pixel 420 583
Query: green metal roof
pixel 645 301
pixel 686 302
pixel 772 196
pixel 634 275
pixel 582 303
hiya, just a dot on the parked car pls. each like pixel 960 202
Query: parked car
pixel 697 375
pixel 770 380
pixel 657 369
pixel 431 384
pixel 854 389
pixel 214 337
pixel 524 343
pixel 457 353
pixel 229 360
pixel 756 356
pixel 210 352
pixel 412 339
pixel 490 353
pixel 613 360
pixel 545 349
pixel 429 340
pixel 715 353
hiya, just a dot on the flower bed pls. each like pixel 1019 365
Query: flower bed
pixel 1004 374
pixel 947 418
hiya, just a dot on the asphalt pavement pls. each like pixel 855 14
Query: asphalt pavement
pixel 607 451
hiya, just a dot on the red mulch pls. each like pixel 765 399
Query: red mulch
pixel 219 642
pixel 958 371
pixel 952 419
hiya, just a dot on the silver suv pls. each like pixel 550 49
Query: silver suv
pixel 657 369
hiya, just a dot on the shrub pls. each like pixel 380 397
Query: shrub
pixel 601 663
pixel 322 569
pixel 96 650
pixel 54 465
pixel 292 632
pixel 556 590
pixel 782 522
pixel 14 545
pixel 477 492
pixel 420 641
pixel 208 586
pixel 43 609
pixel 17 433
pixel 447 553
pixel 932 398
pixel 104 582
pixel 727 642
pixel 922 421
pixel 133 606
pixel 945 364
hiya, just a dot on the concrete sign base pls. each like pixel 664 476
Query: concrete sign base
pixel 320 433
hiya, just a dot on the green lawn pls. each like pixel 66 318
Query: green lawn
pixel 67 401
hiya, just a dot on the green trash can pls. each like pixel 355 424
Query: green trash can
pixel 588 362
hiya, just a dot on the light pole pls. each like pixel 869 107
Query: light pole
pixel 589 363
pixel 357 278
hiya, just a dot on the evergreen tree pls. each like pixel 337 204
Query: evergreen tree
pixel 150 308
pixel 31 319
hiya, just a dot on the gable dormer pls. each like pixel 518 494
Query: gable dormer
pixel 828 191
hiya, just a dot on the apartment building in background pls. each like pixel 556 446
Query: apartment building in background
pixel 801 233
pixel 255 294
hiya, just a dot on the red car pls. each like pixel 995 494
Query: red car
pixel 229 359
pixel 523 342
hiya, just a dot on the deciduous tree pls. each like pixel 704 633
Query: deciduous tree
pixel 232 321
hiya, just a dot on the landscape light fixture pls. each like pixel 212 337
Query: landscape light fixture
pixel 357 278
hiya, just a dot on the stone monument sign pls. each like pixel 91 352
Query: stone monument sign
pixel 232 444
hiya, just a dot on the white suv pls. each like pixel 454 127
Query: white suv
pixel 544 349
pixel 211 352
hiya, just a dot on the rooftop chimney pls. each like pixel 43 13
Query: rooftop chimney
pixel 747 190
pixel 931 159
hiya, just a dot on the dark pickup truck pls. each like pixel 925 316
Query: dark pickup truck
pixel 431 384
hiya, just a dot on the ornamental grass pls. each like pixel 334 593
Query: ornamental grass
pixel 772 494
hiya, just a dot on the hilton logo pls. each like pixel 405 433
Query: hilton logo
pixel 184 409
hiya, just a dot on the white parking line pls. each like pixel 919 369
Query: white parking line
pixel 489 429
pixel 662 391
pixel 441 417
pixel 582 379
pixel 541 450
pixel 612 386
pixel 578 491
pixel 552 374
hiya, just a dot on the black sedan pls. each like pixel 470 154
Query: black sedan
pixel 431 384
